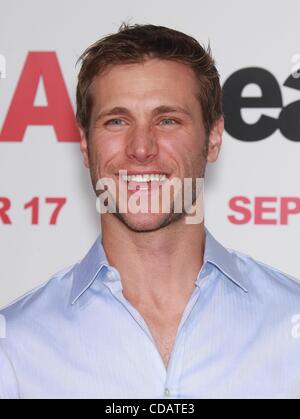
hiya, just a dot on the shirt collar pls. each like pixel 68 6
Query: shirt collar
pixel 225 260
pixel 89 267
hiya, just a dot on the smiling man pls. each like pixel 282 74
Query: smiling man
pixel 157 308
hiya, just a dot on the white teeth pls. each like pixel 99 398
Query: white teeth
pixel 144 178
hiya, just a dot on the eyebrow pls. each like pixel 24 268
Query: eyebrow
pixel 155 112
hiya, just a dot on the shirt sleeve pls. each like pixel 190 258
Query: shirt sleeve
pixel 8 379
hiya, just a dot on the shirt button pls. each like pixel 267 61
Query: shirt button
pixel 110 275
pixel 167 392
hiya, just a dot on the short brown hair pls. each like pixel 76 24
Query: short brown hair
pixel 136 43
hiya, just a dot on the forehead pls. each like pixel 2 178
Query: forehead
pixel 151 78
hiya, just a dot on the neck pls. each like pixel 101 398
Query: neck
pixel 155 266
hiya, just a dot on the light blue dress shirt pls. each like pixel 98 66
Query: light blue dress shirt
pixel 78 337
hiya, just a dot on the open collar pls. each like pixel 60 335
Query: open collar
pixel 224 259
pixel 89 267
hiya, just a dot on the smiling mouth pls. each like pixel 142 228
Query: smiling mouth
pixel 144 178
pixel 143 181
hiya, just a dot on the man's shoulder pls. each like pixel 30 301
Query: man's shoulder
pixel 47 296
pixel 32 319
pixel 259 275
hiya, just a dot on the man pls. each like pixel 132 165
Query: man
pixel 157 308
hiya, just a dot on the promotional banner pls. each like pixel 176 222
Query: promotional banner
pixel 48 217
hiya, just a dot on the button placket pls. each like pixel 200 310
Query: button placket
pixel 175 366
pixel 167 392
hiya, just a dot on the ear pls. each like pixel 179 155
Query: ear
pixel 215 140
pixel 84 147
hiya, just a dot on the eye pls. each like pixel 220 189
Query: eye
pixel 115 121
pixel 168 121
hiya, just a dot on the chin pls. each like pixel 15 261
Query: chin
pixel 147 222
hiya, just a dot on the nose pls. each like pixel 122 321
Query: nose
pixel 142 145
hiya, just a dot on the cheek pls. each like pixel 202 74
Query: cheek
pixel 194 149
pixel 183 145
pixel 187 151
pixel 105 150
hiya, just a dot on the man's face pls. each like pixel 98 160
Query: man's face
pixel 146 119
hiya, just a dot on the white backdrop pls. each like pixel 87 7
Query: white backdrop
pixel 242 35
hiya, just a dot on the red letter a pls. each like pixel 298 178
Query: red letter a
pixel 58 112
